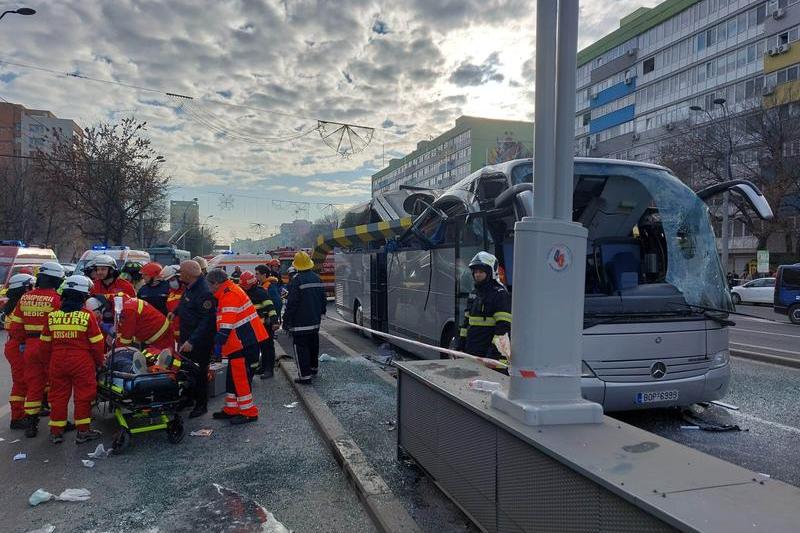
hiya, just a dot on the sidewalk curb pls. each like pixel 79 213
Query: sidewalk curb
pixel 766 358
pixel 386 511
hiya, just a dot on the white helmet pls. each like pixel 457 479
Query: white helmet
pixel 97 303
pixel 51 268
pixel 20 280
pixel 103 260
pixel 78 283
pixel 486 261
pixel 169 272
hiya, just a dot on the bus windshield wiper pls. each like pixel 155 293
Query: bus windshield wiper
pixel 709 313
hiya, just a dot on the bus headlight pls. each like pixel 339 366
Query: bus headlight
pixel 720 359
pixel 587 372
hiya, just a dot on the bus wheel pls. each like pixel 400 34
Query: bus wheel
pixel 448 336
pixel 794 314
pixel 358 318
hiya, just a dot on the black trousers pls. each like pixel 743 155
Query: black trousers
pixel 267 354
pixel 198 377
pixel 306 353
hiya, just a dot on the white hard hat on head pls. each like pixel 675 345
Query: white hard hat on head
pixel 103 260
pixel 486 261
pixel 78 283
pixel 51 268
pixel 169 272
pixel 20 280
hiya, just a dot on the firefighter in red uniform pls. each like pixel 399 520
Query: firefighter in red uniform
pixel 138 321
pixel 18 285
pixel 239 333
pixel 30 317
pixel 176 289
pixel 105 274
pixel 73 343
pixel 266 310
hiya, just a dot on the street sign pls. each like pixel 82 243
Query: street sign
pixel 763 261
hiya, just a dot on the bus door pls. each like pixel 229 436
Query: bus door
pixel 378 286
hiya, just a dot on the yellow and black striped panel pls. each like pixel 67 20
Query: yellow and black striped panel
pixel 347 237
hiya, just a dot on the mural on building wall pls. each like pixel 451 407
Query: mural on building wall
pixel 506 149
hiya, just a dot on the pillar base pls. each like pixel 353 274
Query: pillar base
pixel 544 413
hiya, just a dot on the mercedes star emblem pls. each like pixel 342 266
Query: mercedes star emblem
pixel 658 370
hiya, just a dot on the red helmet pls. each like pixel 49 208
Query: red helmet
pixel 151 270
pixel 247 280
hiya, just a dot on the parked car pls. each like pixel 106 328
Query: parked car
pixel 758 291
pixel 787 292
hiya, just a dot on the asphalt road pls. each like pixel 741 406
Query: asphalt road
pixel 227 481
pixel 774 335
pixel 767 395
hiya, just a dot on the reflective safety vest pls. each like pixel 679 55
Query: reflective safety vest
pixel 117 286
pixel 173 300
pixel 71 333
pixel 30 314
pixel 237 319
pixel 142 322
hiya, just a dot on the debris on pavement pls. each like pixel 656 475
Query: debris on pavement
pixel 392 425
pixel 325 357
pixel 74 495
pixel 100 452
pixel 224 507
pixel 47 528
pixel 692 419
pixel 725 405
pixel 290 405
pixel 20 456
pixel 690 427
pixel 39 496
pixel 201 433
pixel 14 441
pixel 87 463
pixel 2 439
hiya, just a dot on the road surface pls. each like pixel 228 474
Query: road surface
pixel 774 335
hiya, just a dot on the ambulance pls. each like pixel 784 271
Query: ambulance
pixel 121 254
pixel 16 257
pixel 228 261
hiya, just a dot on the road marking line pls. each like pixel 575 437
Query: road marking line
pixel 784 427
pixel 762 320
pixel 765 348
pixel 766 332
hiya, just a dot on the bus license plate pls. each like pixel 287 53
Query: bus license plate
pixel 659 396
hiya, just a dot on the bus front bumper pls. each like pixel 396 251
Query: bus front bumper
pixel 616 396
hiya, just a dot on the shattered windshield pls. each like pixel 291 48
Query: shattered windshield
pixel 692 263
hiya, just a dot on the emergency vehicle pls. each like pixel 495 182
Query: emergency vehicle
pixel 326 272
pixel 16 256
pixel 228 261
pixel 121 254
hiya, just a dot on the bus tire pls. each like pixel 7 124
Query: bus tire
pixel 794 314
pixel 448 335
pixel 358 318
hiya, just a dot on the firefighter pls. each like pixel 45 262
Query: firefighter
pixel 29 318
pixel 170 274
pixel 18 285
pixel 138 321
pixel 196 311
pixel 155 290
pixel 73 343
pixel 236 274
pixel 266 310
pixel 305 306
pixel 275 271
pixel 488 315
pixel 103 269
pixel 132 272
pixel 267 279
pixel 239 333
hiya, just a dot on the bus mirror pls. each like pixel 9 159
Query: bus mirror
pixel 746 190
pixel 507 196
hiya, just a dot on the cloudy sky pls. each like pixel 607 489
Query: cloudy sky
pixel 263 72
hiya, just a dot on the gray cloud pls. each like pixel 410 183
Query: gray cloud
pixel 470 74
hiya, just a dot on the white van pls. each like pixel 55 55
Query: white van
pixel 247 262
pixel 121 254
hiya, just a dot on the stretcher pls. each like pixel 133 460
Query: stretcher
pixel 144 393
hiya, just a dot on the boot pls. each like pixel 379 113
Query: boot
pixel 33 427
pixel 242 419
pixel 86 436
pixel 221 415
pixel 20 423
pixel 56 438
pixel 199 410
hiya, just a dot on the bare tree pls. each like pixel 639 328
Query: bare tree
pixel 109 179
pixel 764 145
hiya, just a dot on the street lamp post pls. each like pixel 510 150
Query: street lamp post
pixel 724 234
pixel 21 11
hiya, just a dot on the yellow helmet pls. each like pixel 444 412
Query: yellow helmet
pixel 302 261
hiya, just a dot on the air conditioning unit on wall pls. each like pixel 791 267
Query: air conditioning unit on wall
pixel 778 13
pixel 635 137
pixel 782 49
pixel 669 126
pixel 772 51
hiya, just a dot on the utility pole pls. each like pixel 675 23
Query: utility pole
pixel 547 339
